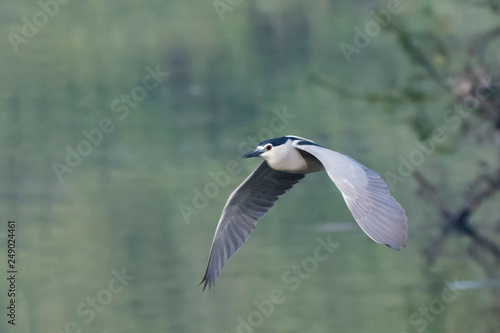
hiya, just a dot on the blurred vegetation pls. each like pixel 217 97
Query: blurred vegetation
pixel 120 206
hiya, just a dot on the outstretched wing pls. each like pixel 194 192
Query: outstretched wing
pixel 366 194
pixel 245 206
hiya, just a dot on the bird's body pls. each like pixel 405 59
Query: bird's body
pixel 286 161
pixel 287 158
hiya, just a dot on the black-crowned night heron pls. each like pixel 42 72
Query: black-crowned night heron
pixel 286 161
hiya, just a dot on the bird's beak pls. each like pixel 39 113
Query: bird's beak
pixel 254 153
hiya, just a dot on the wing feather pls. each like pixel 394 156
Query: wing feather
pixel 366 194
pixel 246 205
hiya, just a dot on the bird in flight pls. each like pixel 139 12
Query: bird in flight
pixel 286 161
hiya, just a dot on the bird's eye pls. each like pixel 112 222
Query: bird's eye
pixel 269 147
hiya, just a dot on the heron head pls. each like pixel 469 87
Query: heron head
pixel 269 148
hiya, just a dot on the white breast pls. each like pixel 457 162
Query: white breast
pixel 287 158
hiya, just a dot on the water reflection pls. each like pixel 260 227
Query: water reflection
pixel 120 206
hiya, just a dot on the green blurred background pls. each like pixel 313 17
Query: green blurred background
pixel 232 66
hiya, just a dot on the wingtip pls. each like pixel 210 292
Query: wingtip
pixel 205 283
pixel 397 248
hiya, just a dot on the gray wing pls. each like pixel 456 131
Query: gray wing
pixel 245 206
pixel 367 196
